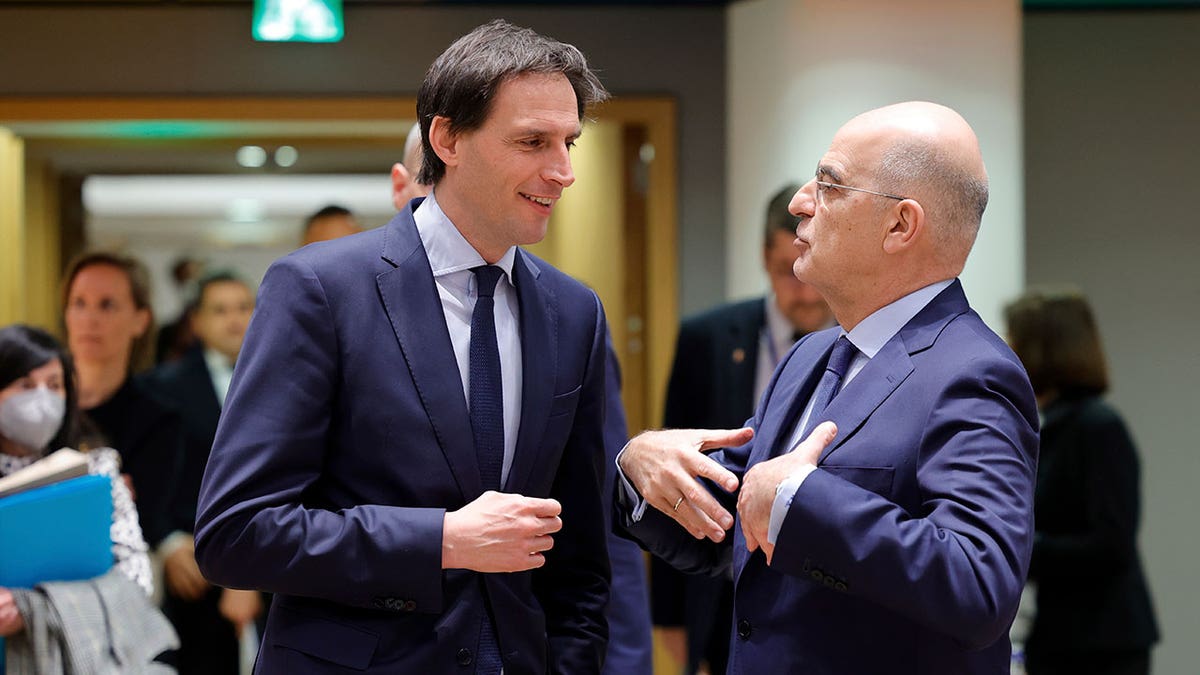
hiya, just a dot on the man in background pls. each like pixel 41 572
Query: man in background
pixel 209 619
pixel 329 222
pixel 723 360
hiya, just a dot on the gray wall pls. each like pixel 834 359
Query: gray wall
pixel 207 50
pixel 1112 122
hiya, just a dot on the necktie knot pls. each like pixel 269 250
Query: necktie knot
pixel 841 356
pixel 486 277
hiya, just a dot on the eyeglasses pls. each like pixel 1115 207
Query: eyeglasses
pixel 824 185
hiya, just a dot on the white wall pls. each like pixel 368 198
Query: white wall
pixel 1111 138
pixel 799 70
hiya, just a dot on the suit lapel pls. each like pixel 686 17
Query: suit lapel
pixel 742 351
pixel 793 388
pixel 202 383
pixel 539 363
pixel 410 298
pixel 873 384
pixel 892 365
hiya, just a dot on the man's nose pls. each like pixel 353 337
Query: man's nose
pixel 558 169
pixel 804 200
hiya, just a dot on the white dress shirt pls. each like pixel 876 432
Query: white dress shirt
pixel 773 342
pixel 220 371
pixel 451 257
pixel 869 336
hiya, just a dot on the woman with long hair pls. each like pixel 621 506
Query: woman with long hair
pixel 109 325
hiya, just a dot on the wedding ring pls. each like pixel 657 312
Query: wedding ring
pixel 677 503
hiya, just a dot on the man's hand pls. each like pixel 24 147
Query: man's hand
pixel 11 622
pixel 762 481
pixel 664 466
pixel 500 532
pixel 181 573
pixel 239 608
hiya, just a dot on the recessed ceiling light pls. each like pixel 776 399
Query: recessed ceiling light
pixel 251 156
pixel 286 155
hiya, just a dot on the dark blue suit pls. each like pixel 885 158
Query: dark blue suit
pixel 906 550
pixel 346 437
pixel 630 648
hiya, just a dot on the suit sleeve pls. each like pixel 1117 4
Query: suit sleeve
pixel 573 585
pixel 255 528
pixel 629 644
pixel 958 564
pixel 1106 545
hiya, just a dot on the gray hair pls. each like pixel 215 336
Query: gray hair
pixel 463 81
pixel 957 197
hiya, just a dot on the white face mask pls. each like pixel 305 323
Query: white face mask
pixel 31 418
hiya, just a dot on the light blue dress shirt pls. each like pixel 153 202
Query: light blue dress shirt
pixel 451 257
pixel 869 336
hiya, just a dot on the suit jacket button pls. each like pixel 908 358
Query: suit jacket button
pixel 744 629
pixel 379 603
pixel 839 586
pixel 464 657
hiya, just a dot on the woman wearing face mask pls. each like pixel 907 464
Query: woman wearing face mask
pixel 106 309
pixel 38 415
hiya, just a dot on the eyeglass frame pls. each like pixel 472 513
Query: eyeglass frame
pixel 828 184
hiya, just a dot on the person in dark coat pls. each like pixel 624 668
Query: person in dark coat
pixel 209 619
pixel 1094 613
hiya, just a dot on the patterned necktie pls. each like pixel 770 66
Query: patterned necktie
pixel 839 361
pixel 487 424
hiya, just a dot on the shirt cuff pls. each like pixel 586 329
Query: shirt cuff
pixel 631 493
pixel 783 500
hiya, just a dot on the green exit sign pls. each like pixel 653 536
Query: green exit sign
pixel 298 20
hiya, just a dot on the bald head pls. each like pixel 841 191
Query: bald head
pixel 928 152
pixel 404 184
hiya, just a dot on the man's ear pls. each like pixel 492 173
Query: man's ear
pixel 907 226
pixel 400 181
pixel 443 140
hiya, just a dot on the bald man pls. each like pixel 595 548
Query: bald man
pixel 877 511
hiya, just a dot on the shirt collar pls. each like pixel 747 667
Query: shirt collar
pixel 216 361
pixel 779 328
pixel 447 249
pixel 873 332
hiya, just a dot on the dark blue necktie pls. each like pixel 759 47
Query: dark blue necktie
pixel 839 362
pixel 487 423
pixel 487 390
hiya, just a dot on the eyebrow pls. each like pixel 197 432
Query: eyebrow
pixel 828 172
pixel 542 133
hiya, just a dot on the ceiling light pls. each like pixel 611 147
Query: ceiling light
pixel 251 156
pixel 285 156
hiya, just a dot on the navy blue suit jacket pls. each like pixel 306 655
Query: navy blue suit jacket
pixel 906 550
pixel 630 647
pixel 344 440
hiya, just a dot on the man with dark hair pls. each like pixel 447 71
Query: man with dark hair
pixel 723 360
pixel 412 450
pixel 329 222
pixel 884 486
pixel 207 618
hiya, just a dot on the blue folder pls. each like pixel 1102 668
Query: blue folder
pixel 58 532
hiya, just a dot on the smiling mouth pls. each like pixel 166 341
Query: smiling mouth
pixel 544 201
